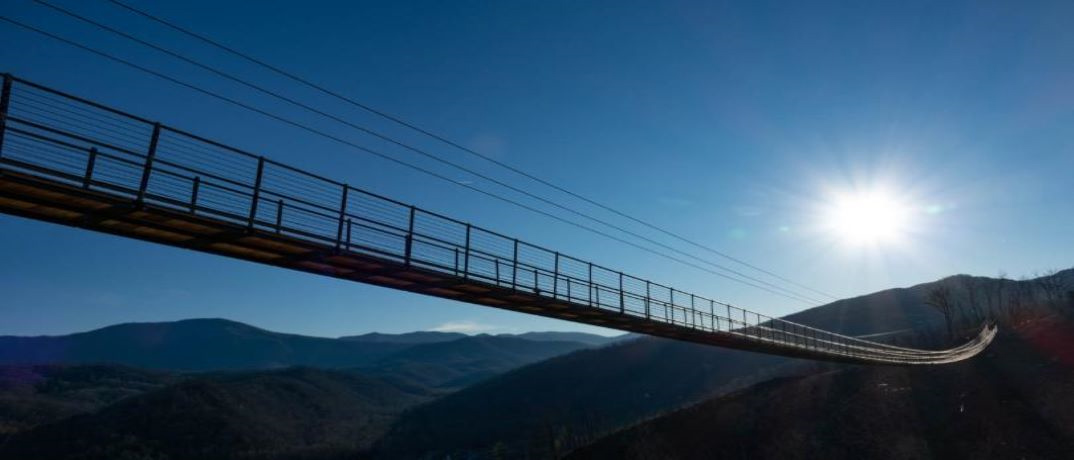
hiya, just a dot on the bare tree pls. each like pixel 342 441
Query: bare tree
pixel 940 298
pixel 994 294
pixel 1052 285
pixel 972 287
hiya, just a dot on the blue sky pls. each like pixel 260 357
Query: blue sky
pixel 733 123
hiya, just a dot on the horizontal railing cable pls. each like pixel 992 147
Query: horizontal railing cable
pixel 444 140
pixel 392 159
pixel 421 152
pixel 423 238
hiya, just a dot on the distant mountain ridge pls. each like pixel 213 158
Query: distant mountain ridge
pixel 406 337
pixel 192 345
pixel 445 361
pixel 422 337
pixel 589 339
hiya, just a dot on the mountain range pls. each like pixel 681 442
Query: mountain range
pixel 428 358
pixel 438 395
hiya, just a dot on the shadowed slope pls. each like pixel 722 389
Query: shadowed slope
pixel 251 415
pixel 1014 401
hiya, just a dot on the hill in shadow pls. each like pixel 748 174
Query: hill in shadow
pixel 33 395
pixel 1014 401
pixel 292 413
pixel 549 408
pixel 459 363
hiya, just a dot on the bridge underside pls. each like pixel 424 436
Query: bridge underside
pixel 48 200
pixel 71 161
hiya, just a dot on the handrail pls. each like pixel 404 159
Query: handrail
pixel 299 203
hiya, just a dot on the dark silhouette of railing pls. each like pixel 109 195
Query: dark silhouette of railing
pixel 75 143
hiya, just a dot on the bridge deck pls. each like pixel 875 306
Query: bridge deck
pixel 78 163
pixel 30 196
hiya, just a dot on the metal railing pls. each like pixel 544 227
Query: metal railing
pixel 81 143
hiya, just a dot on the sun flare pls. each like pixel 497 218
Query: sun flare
pixel 872 217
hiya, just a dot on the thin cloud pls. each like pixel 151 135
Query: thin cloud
pixel 465 327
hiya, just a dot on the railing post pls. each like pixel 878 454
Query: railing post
pixel 194 194
pixel 760 328
pixel 5 101
pixel 555 277
pixel 342 216
pixel 149 163
pixel 409 249
pixel 693 311
pixel 257 193
pixel 712 315
pixel 671 297
pixel 514 267
pixel 622 296
pixel 466 257
pixel 279 215
pixel 589 289
pixel 648 297
pixel 348 239
pixel 90 162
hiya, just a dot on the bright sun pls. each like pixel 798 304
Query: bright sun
pixel 867 218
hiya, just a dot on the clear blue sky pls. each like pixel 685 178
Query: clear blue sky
pixel 733 123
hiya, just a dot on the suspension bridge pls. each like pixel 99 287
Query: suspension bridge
pixel 71 161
